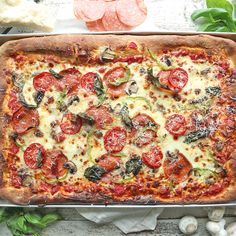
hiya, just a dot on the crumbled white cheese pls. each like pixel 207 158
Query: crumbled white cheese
pixel 21 13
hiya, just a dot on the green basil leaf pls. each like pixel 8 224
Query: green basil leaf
pixel 208 13
pixel 50 218
pixel 34 219
pixel 220 4
pixel 39 159
pixel 99 89
pixel 124 113
pixel 3 214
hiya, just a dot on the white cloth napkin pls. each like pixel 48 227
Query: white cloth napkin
pixel 126 219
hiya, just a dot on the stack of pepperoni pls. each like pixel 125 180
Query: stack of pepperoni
pixel 110 15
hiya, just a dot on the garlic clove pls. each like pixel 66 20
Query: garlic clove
pixel 188 225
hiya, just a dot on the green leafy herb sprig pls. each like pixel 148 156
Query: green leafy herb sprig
pixel 219 16
pixel 22 222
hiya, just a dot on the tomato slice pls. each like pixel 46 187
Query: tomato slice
pixel 108 162
pixel 153 158
pixel 110 77
pixel 101 116
pixel 13 102
pixel 177 169
pixel 53 166
pixel 43 81
pixel 24 119
pixel 71 124
pixel 142 120
pixel 176 125
pixel 34 155
pixel 87 82
pixel 145 138
pixel 178 79
pixel 115 139
pixel 70 80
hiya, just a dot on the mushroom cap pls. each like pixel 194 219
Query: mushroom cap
pixel 188 225
pixel 216 213
pixel 231 229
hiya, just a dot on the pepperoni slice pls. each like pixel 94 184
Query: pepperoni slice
pixel 115 139
pixel 24 119
pixel 108 162
pixel 177 168
pixel 53 166
pixel 111 21
pixel 153 158
pixel 71 124
pixel 176 125
pixel 43 81
pixel 70 79
pixel 142 120
pixel 142 6
pixel 110 77
pixel 95 25
pixel 145 138
pixel 34 155
pixel 13 102
pixel 87 82
pixel 101 116
pixel 178 79
pixel 130 13
pixel 164 77
pixel 89 10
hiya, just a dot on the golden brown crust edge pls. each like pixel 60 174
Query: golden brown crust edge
pixel 70 45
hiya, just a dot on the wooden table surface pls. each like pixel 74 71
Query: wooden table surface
pixel 74 224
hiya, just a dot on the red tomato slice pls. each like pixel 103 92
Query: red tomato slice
pixel 53 167
pixel 108 162
pixel 70 80
pixel 111 76
pixel 31 153
pixel 153 158
pixel 115 139
pixel 176 125
pixel 44 81
pixel 87 82
pixel 177 169
pixel 101 116
pixel 13 102
pixel 178 79
pixel 142 120
pixel 24 119
pixel 145 138
pixel 71 124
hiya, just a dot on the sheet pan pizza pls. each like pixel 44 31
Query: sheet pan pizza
pixel 118 119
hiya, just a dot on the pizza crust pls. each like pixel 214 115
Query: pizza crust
pixel 71 46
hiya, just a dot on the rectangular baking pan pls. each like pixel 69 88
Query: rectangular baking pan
pixel 73 204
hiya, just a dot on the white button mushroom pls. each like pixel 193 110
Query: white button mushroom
pixel 216 228
pixel 231 229
pixel 188 225
pixel 216 213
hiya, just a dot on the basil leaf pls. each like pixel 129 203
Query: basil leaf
pixel 39 159
pixel 49 219
pixel 208 13
pixel 3 215
pixel 195 135
pixel 94 173
pixel 99 89
pixel 215 91
pixel 55 74
pixel 87 119
pixel 133 166
pixel 124 112
pixel 220 4
pixel 34 218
